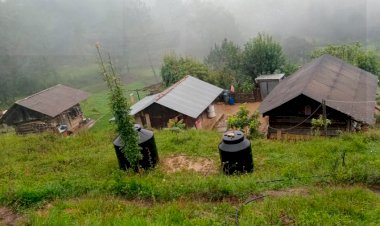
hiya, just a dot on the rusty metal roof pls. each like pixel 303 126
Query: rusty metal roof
pixel 189 96
pixel 345 88
pixel 54 100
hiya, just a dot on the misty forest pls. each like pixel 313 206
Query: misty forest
pixel 48 42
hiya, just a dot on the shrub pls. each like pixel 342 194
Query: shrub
pixel 244 122
pixel 318 123
pixel 175 123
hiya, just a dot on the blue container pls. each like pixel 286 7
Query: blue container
pixel 231 101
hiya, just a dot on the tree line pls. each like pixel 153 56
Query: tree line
pixel 229 64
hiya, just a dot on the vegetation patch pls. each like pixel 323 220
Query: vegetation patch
pixel 322 206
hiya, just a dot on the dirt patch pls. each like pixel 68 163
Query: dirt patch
pixel 287 192
pixel 286 219
pixel 180 163
pixel 8 217
pixel 44 211
pixel 375 189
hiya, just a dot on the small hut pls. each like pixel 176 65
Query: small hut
pixel 189 99
pixel 54 109
pixel 346 92
pixel 267 83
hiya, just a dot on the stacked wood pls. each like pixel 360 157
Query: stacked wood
pixel 34 127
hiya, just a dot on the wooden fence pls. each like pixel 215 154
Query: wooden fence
pixel 248 97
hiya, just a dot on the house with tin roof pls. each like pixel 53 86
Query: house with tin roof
pixel 348 94
pixel 189 99
pixel 47 111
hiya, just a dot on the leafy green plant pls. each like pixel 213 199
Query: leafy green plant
pixel 318 123
pixel 245 122
pixel 120 109
pixel 176 123
pixel 245 85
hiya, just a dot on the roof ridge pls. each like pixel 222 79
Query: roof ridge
pixel 38 93
pixel 315 67
pixel 169 89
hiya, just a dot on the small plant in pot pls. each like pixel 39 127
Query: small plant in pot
pixel 129 154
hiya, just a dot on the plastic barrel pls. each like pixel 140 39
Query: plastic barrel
pixel 235 153
pixel 148 147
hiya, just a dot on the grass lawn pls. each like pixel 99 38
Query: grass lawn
pixel 53 180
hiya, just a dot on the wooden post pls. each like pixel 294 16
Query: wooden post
pixel 324 116
pixel 279 135
pixel 147 118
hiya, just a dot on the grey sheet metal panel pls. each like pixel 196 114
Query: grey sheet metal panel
pixel 270 77
pixel 190 96
pixel 143 103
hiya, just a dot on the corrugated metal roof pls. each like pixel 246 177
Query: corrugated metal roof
pixel 143 103
pixel 269 77
pixel 54 100
pixel 189 96
pixel 345 88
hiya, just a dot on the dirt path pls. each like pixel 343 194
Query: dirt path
pixel 8 217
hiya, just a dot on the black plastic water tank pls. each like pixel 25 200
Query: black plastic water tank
pixel 148 150
pixel 235 153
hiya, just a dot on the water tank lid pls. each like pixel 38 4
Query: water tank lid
pixel 143 136
pixel 233 137
pixel 137 127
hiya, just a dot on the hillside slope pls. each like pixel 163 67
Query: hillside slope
pixel 53 180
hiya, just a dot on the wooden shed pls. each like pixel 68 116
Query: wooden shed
pixel 349 94
pixel 188 99
pixel 267 83
pixel 46 110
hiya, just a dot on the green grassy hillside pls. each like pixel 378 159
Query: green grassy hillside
pixel 51 180
pixel 58 181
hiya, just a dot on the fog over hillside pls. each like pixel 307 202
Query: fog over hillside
pixel 37 27
pixel 39 36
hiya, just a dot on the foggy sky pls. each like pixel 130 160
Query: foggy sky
pixel 151 28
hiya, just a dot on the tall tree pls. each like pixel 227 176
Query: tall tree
pixel 175 68
pixel 262 55
pixel 352 53
pixel 227 55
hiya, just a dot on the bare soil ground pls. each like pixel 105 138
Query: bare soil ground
pixel 375 188
pixel 8 217
pixel 180 162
